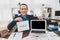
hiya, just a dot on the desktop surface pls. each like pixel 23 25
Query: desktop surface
pixel 49 35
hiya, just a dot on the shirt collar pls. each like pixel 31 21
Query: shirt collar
pixel 19 14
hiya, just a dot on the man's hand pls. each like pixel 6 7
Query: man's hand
pixel 5 33
pixel 19 19
pixel 40 17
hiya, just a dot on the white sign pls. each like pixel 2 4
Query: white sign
pixel 23 25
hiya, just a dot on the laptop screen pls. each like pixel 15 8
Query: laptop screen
pixel 37 24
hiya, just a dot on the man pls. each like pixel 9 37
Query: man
pixel 22 17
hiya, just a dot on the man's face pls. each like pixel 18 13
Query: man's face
pixel 23 9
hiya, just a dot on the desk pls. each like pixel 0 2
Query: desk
pixel 52 22
pixel 54 19
pixel 25 34
pixel 3 39
pixel 40 36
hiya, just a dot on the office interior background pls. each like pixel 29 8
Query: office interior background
pixel 7 5
pixel 10 7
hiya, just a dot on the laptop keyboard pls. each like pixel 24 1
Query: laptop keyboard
pixel 38 31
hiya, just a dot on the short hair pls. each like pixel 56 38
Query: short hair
pixel 24 4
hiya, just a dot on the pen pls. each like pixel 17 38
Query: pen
pixel 14 35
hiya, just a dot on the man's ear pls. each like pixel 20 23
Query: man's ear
pixel 19 11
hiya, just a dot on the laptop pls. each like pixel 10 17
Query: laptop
pixel 38 26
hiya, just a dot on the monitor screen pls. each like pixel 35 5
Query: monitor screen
pixel 57 13
pixel 38 24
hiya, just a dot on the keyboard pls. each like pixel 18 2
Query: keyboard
pixel 57 32
pixel 38 31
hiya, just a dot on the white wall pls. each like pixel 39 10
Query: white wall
pixel 55 6
pixel 5 10
pixel 6 5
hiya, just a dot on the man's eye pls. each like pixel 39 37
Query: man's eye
pixel 25 8
pixel 22 8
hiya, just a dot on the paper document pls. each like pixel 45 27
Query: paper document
pixel 16 36
pixel 22 26
pixel 51 26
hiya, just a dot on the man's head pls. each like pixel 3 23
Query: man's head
pixel 23 9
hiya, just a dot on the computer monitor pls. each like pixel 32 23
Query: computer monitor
pixel 57 13
pixel 38 25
